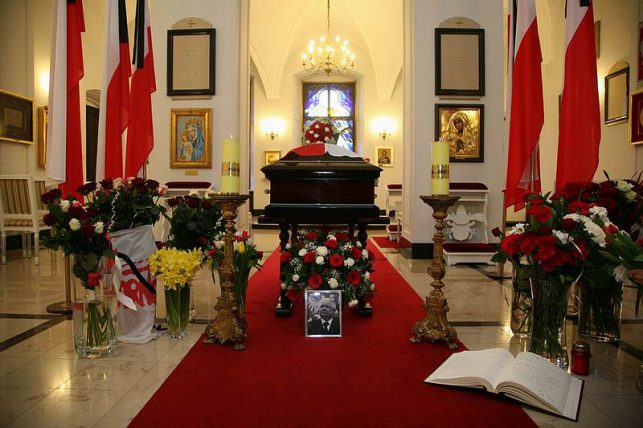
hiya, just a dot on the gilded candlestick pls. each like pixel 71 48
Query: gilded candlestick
pixel 435 325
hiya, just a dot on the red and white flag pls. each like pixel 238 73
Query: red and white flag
pixel 64 143
pixel 526 105
pixel 579 132
pixel 140 133
pixel 114 96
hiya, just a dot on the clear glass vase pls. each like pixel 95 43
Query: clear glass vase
pixel 520 322
pixel 600 312
pixel 177 307
pixel 549 309
pixel 94 323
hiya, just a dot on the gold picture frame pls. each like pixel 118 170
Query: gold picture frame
pixel 16 118
pixel 42 136
pixel 462 125
pixel 271 156
pixel 384 156
pixel 191 138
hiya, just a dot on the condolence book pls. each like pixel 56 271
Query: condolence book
pixel 528 378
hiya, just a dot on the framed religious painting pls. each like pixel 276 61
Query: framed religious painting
pixel 617 87
pixel 16 118
pixel 323 313
pixel 271 156
pixel 384 156
pixel 191 138
pixel 462 125
pixel 191 55
pixel 42 136
pixel 459 62
pixel 635 128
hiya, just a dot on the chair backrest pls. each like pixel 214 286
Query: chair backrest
pixel 17 195
pixel 40 187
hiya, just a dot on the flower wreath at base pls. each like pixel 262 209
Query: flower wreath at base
pixel 328 261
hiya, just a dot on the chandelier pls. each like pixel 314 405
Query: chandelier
pixel 328 55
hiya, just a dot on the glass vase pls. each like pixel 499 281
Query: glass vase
pixel 600 312
pixel 177 307
pixel 549 309
pixel 520 322
pixel 94 323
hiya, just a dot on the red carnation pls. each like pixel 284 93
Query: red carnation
pixel 285 257
pixel 568 225
pixel 578 207
pixel 292 294
pixel 341 236
pixel 309 257
pixel 311 236
pixel 528 244
pixel 354 278
pixel 87 230
pixel 540 213
pixel 331 243
pixel 49 219
pixel 336 260
pixel 76 210
pixel 510 244
pixel 93 279
pixel 356 253
pixel 212 252
pixel 315 281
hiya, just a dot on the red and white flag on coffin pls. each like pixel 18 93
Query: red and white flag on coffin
pixel 579 132
pixel 526 105
pixel 140 133
pixel 114 96
pixel 64 148
pixel 320 149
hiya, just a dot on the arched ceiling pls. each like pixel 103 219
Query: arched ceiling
pixel 280 29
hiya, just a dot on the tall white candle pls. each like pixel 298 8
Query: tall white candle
pixel 230 166
pixel 440 168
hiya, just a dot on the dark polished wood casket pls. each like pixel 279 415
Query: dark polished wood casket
pixel 321 184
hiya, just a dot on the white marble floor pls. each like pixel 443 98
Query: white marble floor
pixel 44 384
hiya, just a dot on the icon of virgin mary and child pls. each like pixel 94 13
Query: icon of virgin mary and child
pixel 460 134
pixel 192 143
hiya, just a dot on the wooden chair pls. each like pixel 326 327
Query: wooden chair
pixel 21 211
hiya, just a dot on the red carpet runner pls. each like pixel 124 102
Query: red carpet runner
pixel 384 242
pixel 371 377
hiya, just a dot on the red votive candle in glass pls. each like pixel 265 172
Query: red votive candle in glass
pixel 580 358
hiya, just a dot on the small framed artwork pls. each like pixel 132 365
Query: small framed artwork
pixel 42 136
pixel 323 313
pixel 191 55
pixel 16 118
pixel 191 138
pixel 271 156
pixel 640 46
pixel 635 129
pixel 459 61
pixel 384 156
pixel 462 126
pixel 617 88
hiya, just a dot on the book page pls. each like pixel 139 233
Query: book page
pixel 487 364
pixel 540 377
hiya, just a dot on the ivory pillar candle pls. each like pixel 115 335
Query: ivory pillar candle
pixel 440 168
pixel 230 166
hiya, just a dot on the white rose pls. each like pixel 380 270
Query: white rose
pixel 333 283
pixel 365 254
pixel 326 129
pixel 218 244
pixel 349 262
pixel 331 237
pixel 322 251
pixel 352 303
pixel 624 186
pixel 316 135
pixel 630 196
pixel 524 260
pixel 317 126
pixel 288 246
pixel 562 236
pixel 518 228
pixel 74 224
pixel 319 260
pixel 98 227
pixel 302 252
pixel 283 285
pixel 295 278
pixel 358 244
pixel 117 183
pixel 162 189
pixel 64 205
pixel 367 275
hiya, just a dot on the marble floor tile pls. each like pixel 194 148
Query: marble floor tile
pixel 44 373
pixel 15 401
pixel 106 374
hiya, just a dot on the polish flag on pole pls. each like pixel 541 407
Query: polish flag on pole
pixel 114 96
pixel 526 105
pixel 64 148
pixel 140 133
pixel 579 131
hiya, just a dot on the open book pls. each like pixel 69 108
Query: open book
pixel 528 378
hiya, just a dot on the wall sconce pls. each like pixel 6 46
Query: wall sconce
pixel 384 126
pixel 272 127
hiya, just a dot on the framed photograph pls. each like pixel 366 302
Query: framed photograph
pixel 462 126
pixel 384 156
pixel 191 138
pixel 16 118
pixel 42 136
pixel 191 55
pixel 635 129
pixel 271 156
pixel 323 313
pixel 617 88
pixel 459 61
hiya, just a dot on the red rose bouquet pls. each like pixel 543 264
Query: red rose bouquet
pixel 195 222
pixel 320 132
pixel 331 261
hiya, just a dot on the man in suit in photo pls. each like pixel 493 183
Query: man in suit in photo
pixel 328 323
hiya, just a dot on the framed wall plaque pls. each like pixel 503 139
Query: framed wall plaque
pixel 16 118
pixel 384 156
pixel 635 128
pixel 462 126
pixel 42 136
pixel 459 61
pixel 271 156
pixel 191 138
pixel 191 57
pixel 617 88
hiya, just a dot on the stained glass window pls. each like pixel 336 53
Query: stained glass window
pixel 334 103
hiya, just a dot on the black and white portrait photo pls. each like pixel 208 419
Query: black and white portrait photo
pixel 323 313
